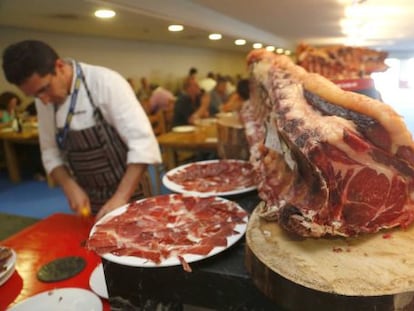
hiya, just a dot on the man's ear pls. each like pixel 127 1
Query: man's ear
pixel 59 65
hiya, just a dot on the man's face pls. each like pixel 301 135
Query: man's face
pixel 51 88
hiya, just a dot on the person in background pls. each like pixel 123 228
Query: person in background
pixel 191 105
pixel 161 99
pixel 192 74
pixel 144 92
pixel 218 96
pixel 208 83
pixel 95 138
pixel 9 102
pixel 237 99
pixel 231 85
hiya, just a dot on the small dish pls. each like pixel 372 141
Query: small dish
pixel 183 129
pixel 69 299
pixel 97 282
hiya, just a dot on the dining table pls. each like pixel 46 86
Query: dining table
pixel 57 236
pixel 10 138
pixel 191 138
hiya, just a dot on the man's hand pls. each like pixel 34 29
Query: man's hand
pixel 109 206
pixel 76 196
pixel 126 188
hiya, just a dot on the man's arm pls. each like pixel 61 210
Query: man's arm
pixel 76 196
pixel 126 188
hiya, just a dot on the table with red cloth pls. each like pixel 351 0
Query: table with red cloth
pixel 56 236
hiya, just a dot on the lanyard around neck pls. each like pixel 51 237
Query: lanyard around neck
pixel 62 134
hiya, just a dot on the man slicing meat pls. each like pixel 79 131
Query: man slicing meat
pixel 95 138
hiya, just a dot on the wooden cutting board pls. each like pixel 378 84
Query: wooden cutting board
pixel 371 272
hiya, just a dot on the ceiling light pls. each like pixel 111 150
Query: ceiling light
pixel 257 45
pixel 215 36
pixel 240 42
pixel 104 13
pixel 270 48
pixel 175 28
pixel 288 52
pixel 279 50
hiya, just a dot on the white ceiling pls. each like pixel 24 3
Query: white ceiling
pixel 282 23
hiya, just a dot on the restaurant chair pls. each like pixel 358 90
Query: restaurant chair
pixel 168 118
pixel 159 127
pixel 2 157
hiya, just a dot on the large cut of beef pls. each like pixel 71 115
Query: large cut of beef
pixel 330 162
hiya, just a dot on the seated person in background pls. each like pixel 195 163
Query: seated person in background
pixel 208 83
pixel 30 110
pixel 161 99
pixel 193 104
pixel 237 99
pixel 9 102
pixel 218 96
pixel 144 91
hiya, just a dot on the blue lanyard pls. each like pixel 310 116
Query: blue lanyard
pixel 62 134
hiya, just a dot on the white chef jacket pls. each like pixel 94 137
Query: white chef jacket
pixel 118 104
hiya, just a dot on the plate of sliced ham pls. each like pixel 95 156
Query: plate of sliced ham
pixel 212 178
pixel 168 230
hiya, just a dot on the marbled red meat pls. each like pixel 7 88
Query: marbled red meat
pixel 330 162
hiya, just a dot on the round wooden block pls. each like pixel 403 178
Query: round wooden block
pixel 371 272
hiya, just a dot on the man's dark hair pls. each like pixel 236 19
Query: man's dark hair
pixel 22 59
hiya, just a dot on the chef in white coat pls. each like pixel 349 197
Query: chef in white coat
pixel 95 138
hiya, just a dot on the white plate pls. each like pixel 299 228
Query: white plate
pixel 180 189
pixel 171 261
pixel 97 282
pixel 62 299
pixel 10 267
pixel 183 129
pixel 205 121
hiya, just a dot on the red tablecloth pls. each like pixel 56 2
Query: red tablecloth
pixel 57 236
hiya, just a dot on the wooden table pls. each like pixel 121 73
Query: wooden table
pixel 10 139
pixel 57 236
pixel 197 140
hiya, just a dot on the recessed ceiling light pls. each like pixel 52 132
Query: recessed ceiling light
pixel 215 36
pixel 104 13
pixel 270 48
pixel 279 50
pixel 257 45
pixel 240 42
pixel 175 28
pixel 288 52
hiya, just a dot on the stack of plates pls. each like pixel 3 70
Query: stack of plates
pixel 8 267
